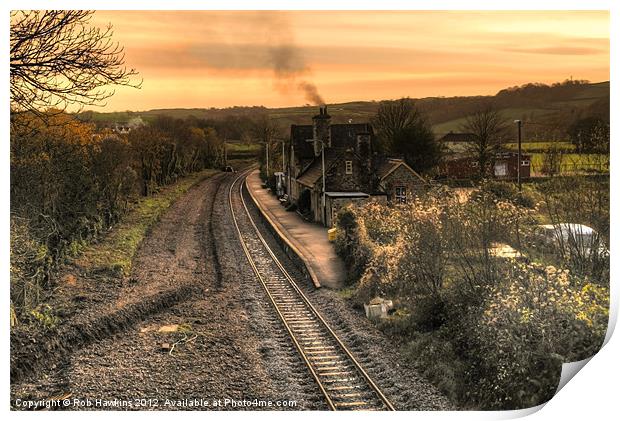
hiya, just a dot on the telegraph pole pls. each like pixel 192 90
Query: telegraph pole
pixel 519 154
pixel 323 171
pixel 283 160
pixel 225 154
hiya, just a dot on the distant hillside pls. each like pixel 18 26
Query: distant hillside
pixel 547 109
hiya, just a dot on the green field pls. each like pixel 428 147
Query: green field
pixel 509 114
pixel 540 147
pixel 574 163
pixel 242 147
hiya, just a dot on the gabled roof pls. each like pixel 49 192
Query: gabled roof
pixel 458 137
pixel 389 165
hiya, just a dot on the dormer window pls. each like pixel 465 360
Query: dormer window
pixel 348 167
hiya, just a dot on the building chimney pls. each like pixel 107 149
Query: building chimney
pixel 320 130
pixel 363 149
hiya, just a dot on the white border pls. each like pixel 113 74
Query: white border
pixel 591 395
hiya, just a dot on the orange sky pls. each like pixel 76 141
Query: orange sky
pixel 218 59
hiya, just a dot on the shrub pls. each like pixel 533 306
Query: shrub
pixel 490 331
pixel 435 358
pixel 31 264
pixel 70 183
pixel 581 201
pixel 508 191
pixel 531 324
pixel 352 243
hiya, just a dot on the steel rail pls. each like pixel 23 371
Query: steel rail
pixel 314 314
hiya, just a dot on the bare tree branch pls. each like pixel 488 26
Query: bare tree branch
pixel 58 60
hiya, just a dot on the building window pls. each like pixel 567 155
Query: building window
pixel 401 194
pixel 525 163
pixel 348 167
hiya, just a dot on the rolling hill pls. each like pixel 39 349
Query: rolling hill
pixel 547 109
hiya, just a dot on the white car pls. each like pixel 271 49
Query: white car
pixel 577 239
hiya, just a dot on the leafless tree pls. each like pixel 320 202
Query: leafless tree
pixel 552 160
pixel 487 126
pixel 393 117
pixel 265 131
pixel 57 60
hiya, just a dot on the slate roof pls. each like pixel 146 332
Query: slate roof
pixel 346 194
pixel 342 136
pixel 345 135
pixel 299 135
pixel 313 173
pixel 385 166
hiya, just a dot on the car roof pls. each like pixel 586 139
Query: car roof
pixel 566 227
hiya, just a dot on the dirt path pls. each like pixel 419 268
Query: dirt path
pixel 222 347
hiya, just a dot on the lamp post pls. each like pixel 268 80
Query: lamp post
pixel 322 174
pixel 518 122
pixel 267 159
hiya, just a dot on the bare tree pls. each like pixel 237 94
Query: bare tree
pixel 265 131
pixel 486 125
pixel 57 59
pixel 552 160
pixel 393 117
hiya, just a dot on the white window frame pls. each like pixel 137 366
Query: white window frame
pixel 525 163
pixel 348 167
pixel 400 194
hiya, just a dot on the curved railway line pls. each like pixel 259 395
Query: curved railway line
pixel 340 378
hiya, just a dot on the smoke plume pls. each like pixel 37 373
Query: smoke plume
pixel 311 92
pixel 286 58
pixel 268 44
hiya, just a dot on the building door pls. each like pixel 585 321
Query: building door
pixel 501 169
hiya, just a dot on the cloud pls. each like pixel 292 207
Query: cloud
pixel 558 50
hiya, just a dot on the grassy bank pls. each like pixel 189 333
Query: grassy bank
pixel 115 252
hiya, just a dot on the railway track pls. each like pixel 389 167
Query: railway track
pixel 340 378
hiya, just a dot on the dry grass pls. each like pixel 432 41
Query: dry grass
pixel 115 252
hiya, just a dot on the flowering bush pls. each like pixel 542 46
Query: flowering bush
pixel 504 327
pixel 538 319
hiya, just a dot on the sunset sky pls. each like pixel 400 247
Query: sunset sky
pixel 218 59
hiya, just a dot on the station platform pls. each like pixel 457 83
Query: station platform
pixel 307 240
